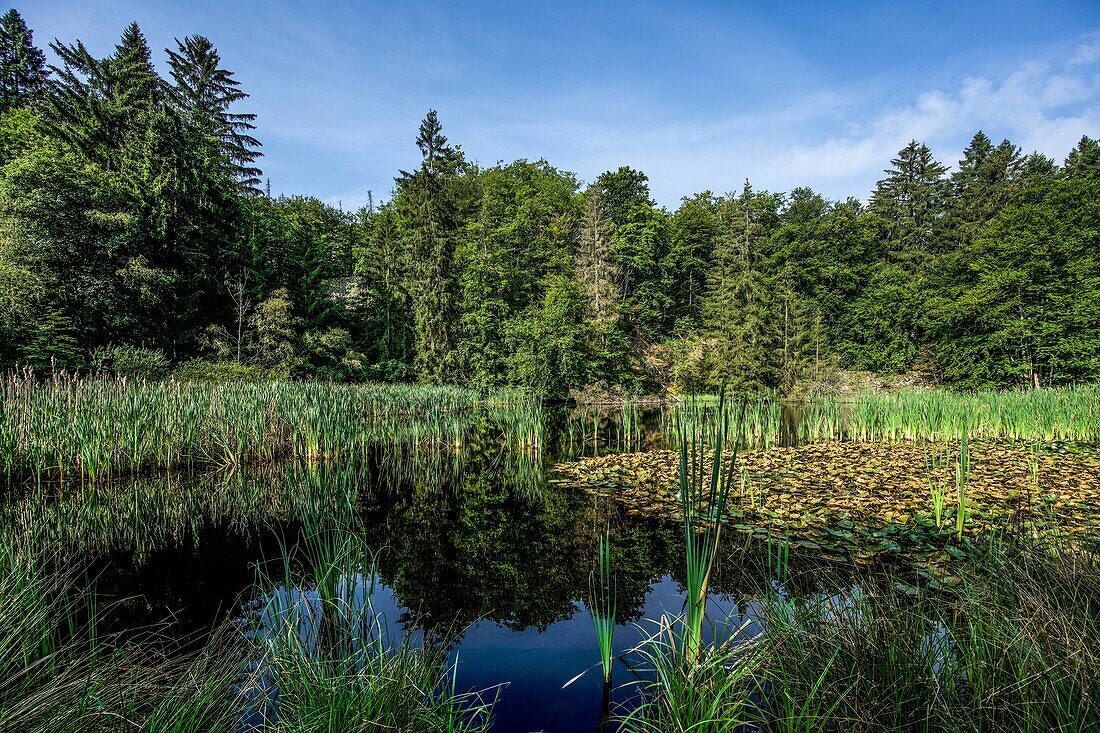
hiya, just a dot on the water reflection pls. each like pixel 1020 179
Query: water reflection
pixel 471 549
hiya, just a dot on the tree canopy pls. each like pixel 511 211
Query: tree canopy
pixel 131 218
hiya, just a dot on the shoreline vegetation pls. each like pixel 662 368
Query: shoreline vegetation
pixel 87 430
pixel 998 630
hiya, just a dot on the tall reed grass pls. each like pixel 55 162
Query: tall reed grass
pixel 703 497
pixel 1069 413
pixel 1015 646
pixel 89 430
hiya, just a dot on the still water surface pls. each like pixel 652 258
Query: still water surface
pixel 475 546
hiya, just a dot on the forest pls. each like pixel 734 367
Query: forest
pixel 138 237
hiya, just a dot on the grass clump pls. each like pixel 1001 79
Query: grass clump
pixel 326 659
pixel 1014 646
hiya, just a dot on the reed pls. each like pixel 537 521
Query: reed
pixel 962 480
pixel 1049 414
pixel 329 660
pixel 703 500
pixel 89 430
pixel 1014 646
pixel 604 604
pixel 935 464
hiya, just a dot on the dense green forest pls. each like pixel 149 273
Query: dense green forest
pixel 136 236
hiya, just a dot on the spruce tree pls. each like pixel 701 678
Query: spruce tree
pixel 1084 160
pixel 135 83
pixel 983 184
pixel 911 203
pixel 427 208
pixel 99 106
pixel 22 65
pixel 203 94
pixel 736 310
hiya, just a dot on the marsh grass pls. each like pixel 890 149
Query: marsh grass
pixel 86 431
pixel 59 673
pixel 604 603
pixel 703 501
pixel 962 481
pixel 326 658
pixel 935 466
pixel 1014 646
pixel 1045 415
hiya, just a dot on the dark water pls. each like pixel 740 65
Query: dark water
pixel 476 547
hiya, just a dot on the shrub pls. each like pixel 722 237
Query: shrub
pixel 198 370
pixel 131 361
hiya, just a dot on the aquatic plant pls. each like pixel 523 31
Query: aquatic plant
pixel 59 673
pixel 703 501
pixel 604 604
pixel 1013 646
pixel 962 480
pixel 714 695
pixel 934 465
pixel 90 430
pixel 327 656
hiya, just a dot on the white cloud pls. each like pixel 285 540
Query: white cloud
pixel 1044 105
pixel 837 140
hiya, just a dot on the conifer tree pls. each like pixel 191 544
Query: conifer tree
pixel 100 105
pixel 983 184
pixel 427 208
pixel 737 304
pixel 203 93
pixel 912 202
pixel 22 65
pixel 1084 160
pixel 693 232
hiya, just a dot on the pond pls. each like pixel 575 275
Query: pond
pixel 485 546
pixel 502 576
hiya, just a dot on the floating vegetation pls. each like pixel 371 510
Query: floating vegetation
pixel 865 499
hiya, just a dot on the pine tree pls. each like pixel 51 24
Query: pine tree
pixel 136 85
pixel 22 65
pixel 203 94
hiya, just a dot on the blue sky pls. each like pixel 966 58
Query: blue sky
pixel 698 95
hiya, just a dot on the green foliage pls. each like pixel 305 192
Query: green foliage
pixel 548 346
pixel 1021 301
pixel 129 361
pixel 198 370
pixel 22 65
pixel 130 213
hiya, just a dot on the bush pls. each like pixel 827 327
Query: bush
pixel 131 361
pixel 198 370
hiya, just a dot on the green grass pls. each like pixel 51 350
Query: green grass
pixel 57 673
pixel 86 431
pixel 1014 646
pixel 321 644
